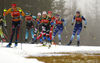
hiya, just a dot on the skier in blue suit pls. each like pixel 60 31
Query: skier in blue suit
pixel 78 27
pixel 59 27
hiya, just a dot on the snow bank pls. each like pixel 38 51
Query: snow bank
pixel 16 55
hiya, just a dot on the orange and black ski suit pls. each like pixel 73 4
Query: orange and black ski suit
pixel 16 22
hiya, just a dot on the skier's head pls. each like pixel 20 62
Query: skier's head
pixel 57 16
pixel 50 13
pixel 39 14
pixel 14 5
pixel 78 13
pixel 44 14
pixel 27 13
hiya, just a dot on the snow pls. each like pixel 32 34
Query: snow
pixel 16 55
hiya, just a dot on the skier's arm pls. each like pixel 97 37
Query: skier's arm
pixel 73 19
pixel 34 17
pixel 84 20
pixel 65 22
pixel 7 12
pixel 22 13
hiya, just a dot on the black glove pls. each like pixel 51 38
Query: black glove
pixel 5 26
pixel 84 26
pixel 72 23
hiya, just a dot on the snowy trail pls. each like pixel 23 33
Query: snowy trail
pixel 16 55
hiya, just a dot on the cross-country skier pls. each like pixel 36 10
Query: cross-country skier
pixel 78 27
pixel 47 23
pixel 38 28
pixel 53 20
pixel 2 23
pixel 29 25
pixel 16 22
pixel 59 27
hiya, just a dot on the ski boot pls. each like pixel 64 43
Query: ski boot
pixel 41 42
pixel 49 45
pixel 9 45
pixel 69 43
pixel 59 42
pixel 16 44
pixel 44 43
pixel 33 41
pixel 25 41
pixel 78 43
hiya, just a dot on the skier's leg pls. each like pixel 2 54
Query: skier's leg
pixel 35 33
pixel 47 33
pixel 44 35
pixel 41 34
pixel 26 36
pixel 27 32
pixel 12 33
pixel 44 32
pixel 40 30
pixel 78 36
pixel 73 35
pixel 59 35
pixel 17 32
pixel 32 33
pixel 51 29
pixel 55 32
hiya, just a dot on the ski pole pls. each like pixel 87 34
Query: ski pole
pixel 21 27
pixel 90 34
pixel 5 36
pixel 6 31
pixel 5 12
pixel 5 19
pixel 66 30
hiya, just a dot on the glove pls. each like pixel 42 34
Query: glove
pixel 65 28
pixel 72 23
pixel 5 26
pixel 85 26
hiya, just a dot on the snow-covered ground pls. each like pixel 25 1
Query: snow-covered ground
pixel 16 55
